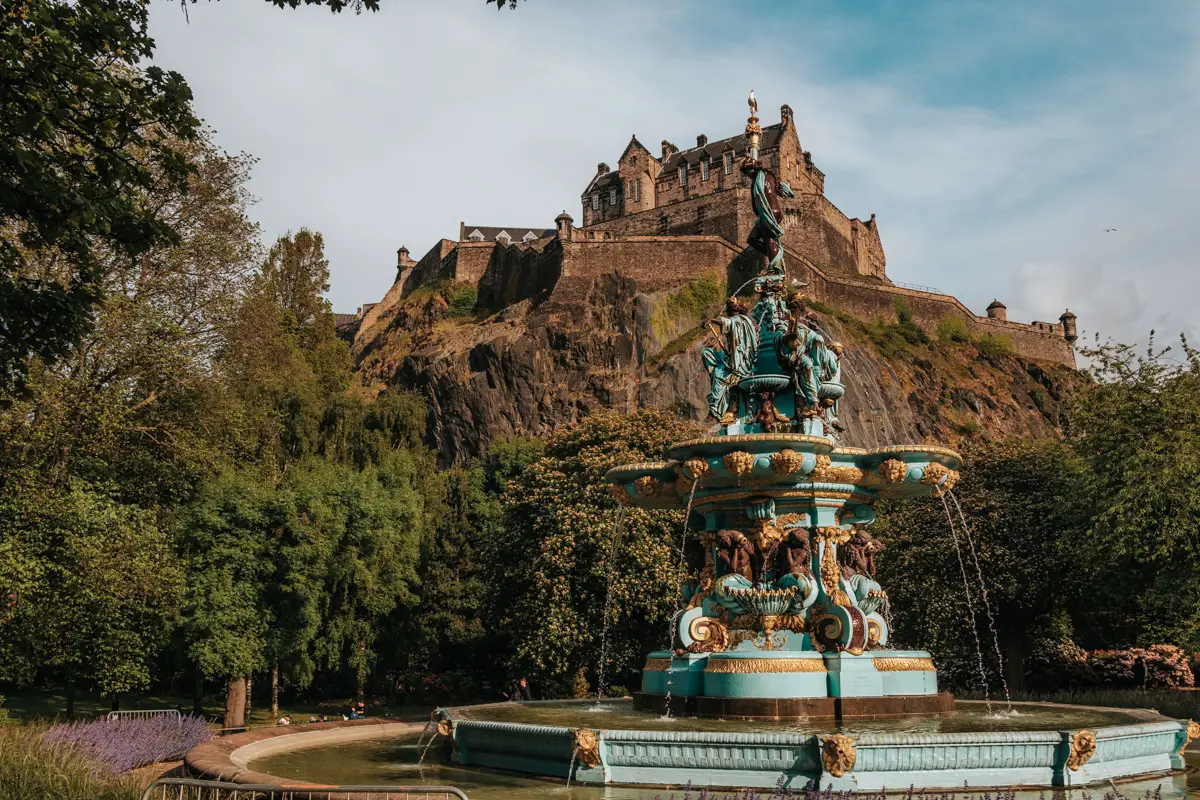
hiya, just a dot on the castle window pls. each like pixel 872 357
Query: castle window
pixel 503 238
pixel 596 202
pixel 727 157
pixel 476 236
pixel 612 196
pixel 637 190
pixel 663 223
pixel 529 236
pixel 704 168
pixel 683 176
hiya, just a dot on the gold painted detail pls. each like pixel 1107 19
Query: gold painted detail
pixel 708 635
pixel 696 468
pixel 787 520
pixel 940 477
pixel 831 573
pixel 838 754
pixel 587 748
pixel 827 630
pixel 742 666
pixel 443 727
pixel 875 633
pixel 739 462
pixel 1083 747
pixel 786 462
pixel 825 472
pixel 893 470
pixel 619 494
pixel 747 438
pixel 657 665
pixel 1191 732
pixel 902 664
pixel 647 486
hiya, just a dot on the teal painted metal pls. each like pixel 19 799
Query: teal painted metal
pixel 882 761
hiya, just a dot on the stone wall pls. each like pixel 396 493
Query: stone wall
pixel 434 266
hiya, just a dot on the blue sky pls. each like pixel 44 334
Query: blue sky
pixel 994 140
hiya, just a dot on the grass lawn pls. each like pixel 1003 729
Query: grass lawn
pixel 30 705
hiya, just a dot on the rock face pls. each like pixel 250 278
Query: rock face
pixel 536 366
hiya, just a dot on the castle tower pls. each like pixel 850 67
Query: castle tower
pixel 998 311
pixel 403 262
pixel 1068 323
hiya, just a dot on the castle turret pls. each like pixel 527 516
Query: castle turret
pixel 997 310
pixel 403 262
pixel 1068 323
pixel 563 226
pixel 785 115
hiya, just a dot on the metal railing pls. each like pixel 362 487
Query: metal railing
pixel 148 713
pixel 195 789
pixel 916 287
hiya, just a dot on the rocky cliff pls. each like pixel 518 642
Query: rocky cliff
pixel 544 363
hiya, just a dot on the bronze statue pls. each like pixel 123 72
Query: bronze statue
pixel 737 553
pixel 795 553
pixel 858 555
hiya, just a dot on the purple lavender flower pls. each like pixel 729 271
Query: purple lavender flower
pixel 124 744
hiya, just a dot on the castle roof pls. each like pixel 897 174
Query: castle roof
pixel 996 304
pixel 738 144
pixel 489 233
pixel 603 181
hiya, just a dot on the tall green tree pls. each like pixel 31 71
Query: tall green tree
pixel 85 131
pixel 552 559
pixel 93 587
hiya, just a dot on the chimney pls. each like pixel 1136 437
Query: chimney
pixel 1068 323
pixel 668 149
pixel 998 311
pixel 701 140
pixel 602 168
pixel 563 226
pixel 785 115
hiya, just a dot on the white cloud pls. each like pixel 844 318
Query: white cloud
pixel 389 128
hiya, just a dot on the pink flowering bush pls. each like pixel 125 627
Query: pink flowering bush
pixel 1160 666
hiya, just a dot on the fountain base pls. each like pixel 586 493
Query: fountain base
pixel 784 708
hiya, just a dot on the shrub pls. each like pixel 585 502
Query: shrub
pixel 121 745
pixel 992 346
pixel 953 328
pixel 461 297
pixel 904 313
pixel 1160 666
pixel 31 766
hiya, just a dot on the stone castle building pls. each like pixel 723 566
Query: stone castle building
pixel 664 220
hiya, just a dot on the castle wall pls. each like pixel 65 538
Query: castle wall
pixel 518 273
pixel 865 300
pixel 726 214
pixel 434 266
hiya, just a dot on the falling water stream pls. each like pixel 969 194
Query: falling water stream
pixel 970 605
pixel 678 593
pixel 983 593
pixel 618 535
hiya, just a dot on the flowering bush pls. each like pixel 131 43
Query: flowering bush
pixel 1157 666
pixel 121 745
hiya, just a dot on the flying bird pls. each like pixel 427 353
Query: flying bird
pixel 1106 230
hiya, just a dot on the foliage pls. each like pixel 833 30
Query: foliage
pixel 1158 666
pixel 461 298
pixel 31 766
pixel 96 586
pixel 994 346
pixel 953 328
pixel 694 302
pixel 1012 492
pixel 85 131
pixel 124 744
pixel 551 559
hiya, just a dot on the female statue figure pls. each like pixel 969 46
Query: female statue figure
pixel 736 553
pixel 733 358
pixel 767 233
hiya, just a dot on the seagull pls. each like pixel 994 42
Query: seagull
pixel 1106 230
pixel 753 101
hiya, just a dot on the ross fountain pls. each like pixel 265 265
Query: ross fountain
pixel 784 621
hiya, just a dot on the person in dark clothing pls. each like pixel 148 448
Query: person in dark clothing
pixel 520 691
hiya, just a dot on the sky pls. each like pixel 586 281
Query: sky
pixel 995 141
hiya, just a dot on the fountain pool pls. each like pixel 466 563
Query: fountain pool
pixel 394 760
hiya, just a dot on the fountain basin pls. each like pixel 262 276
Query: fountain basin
pixel 892 754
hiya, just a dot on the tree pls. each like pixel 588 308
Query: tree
pixel 84 131
pixel 1137 429
pixel 1019 499
pixel 225 539
pixel 550 561
pixel 99 589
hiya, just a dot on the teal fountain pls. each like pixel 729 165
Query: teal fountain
pixel 780 670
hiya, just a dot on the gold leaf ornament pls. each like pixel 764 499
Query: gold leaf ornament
pixel 1083 747
pixel 647 486
pixel 787 462
pixel 838 754
pixel 587 747
pixel 893 470
pixel 696 468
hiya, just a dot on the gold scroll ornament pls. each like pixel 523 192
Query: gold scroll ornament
pixel 739 462
pixel 1191 732
pixel 825 472
pixel 903 664
pixel 1083 747
pixel 587 748
pixel 838 754
pixel 831 573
